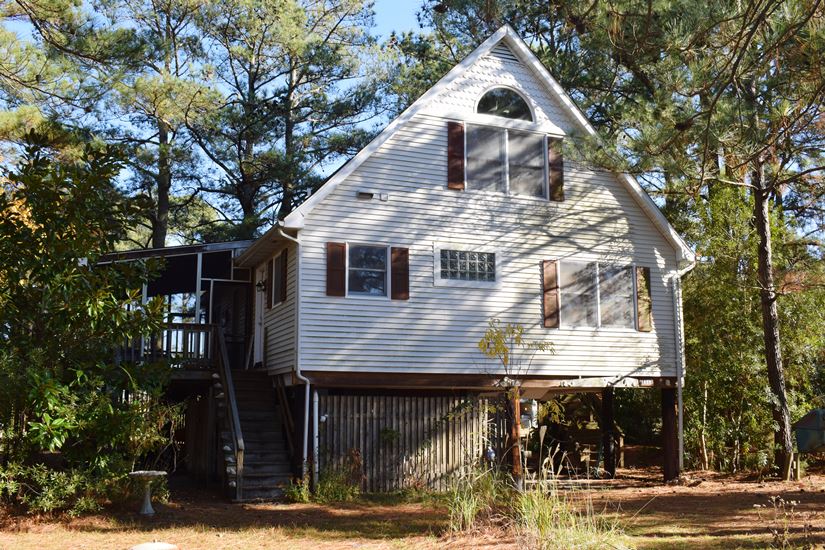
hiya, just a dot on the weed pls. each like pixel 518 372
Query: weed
pixel 298 490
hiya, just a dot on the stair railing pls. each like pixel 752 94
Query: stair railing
pixel 225 370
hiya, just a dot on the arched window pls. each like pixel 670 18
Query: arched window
pixel 504 102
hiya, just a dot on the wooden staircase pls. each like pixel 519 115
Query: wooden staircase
pixel 266 466
pixel 255 455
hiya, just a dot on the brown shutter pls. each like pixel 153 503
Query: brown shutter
pixel 268 284
pixel 550 280
pixel 282 290
pixel 455 156
pixel 400 273
pixel 336 269
pixel 644 302
pixel 556 165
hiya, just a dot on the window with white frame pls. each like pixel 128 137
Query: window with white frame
pixel 367 270
pixel 506 161
pixel 463 265
pixel 504 102
pixel 596 295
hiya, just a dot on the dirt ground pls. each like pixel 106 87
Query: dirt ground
pixel 705 511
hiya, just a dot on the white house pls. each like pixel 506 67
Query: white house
pixel 462 210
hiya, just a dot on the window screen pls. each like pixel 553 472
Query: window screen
pixel 368 270
pixel 486 158
pixel 616 296
pixel 526 163
pixel 578 294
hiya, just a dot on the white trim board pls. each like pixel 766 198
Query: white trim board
pixel 295 220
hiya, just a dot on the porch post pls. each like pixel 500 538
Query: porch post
pixel 608 436
pixel 670 444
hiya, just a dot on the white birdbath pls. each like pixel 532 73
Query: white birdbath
pixel 146 477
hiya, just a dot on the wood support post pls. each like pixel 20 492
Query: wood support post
pixel 608 435
pixel 514 396
pixel 670 442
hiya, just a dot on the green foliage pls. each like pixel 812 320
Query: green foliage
pixel 473 497
pixel 550 519
pixel 510 347
pixel 298 490
pixel 542 517
pixel 62 315
pixel 336 485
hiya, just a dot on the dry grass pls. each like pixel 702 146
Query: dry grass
pixel 716 512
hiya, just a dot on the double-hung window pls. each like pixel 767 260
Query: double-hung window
pixel 508 161
pixel 367 270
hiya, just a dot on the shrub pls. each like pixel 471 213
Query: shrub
pixel 336 485
pixel 298 490
pixel 43 490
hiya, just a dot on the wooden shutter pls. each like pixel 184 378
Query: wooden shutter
pixel 400 273
pixel 644 302
pixel 268 284
pixel 282 290
pixel 455 156
pixel 336 269
pixel 556 164
pixel 550 283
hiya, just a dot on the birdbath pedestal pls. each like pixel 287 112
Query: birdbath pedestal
pixel 146 477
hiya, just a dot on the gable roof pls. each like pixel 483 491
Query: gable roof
pixel 505 35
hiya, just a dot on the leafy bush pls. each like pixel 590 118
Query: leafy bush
pixel 42 489
pixel 298 490
pixel 336 485
pixel 63 314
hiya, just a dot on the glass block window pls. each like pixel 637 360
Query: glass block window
pixel 462 265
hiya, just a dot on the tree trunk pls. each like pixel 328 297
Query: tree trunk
pixel 770 323
pixel 288 182
pixel 514 419
pixel 160 225
pixel 703 444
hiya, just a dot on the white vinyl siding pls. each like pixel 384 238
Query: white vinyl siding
pixel 279 321
pixel 438 328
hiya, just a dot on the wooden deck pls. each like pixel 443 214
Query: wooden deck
pixel 189 348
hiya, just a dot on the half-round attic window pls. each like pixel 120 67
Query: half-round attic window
pixel 504 102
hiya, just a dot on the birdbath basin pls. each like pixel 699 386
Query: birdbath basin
pixel 145 477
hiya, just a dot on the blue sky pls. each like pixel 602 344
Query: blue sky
pixel 395 15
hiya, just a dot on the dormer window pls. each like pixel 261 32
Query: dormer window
pixel 506 103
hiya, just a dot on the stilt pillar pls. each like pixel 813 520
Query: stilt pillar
pixel 670 440
pixel 608 435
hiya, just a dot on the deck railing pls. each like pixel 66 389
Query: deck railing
pixel 189 346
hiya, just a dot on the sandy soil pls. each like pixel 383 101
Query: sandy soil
pixel 706 511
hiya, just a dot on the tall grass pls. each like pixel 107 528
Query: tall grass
pixel 553 520
pixel 541 517
pixel 473 497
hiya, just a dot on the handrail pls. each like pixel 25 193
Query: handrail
pixel 232 408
